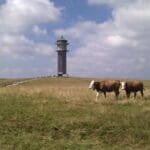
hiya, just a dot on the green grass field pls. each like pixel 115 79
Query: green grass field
pixel 60 114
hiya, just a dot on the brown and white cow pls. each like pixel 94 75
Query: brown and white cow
pixel 132 86
pixel 105 86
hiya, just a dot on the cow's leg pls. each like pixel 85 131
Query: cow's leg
pixel 142 94
pixel 117 94
pixel 97 95
pixel 134 95
pixel 105 94
pixel 128 94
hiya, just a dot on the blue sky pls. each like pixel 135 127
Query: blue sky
pixel 80 10
pixel 107 38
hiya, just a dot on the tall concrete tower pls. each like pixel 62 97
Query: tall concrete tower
pixel 61 56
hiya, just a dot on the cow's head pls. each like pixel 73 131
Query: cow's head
pixel 123 85
pixel 91 85
pixel 94 85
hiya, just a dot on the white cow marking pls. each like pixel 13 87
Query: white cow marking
pixel 122 85
pixel 97 95
pixel 91 84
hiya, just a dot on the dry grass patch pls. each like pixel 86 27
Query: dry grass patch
pixel 60 113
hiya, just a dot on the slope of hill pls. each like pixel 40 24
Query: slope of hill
pixel 60 113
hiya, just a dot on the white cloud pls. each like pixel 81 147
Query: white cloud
pixel 116 40
pixel 19 15
pixel 20 49
pixel 17 72
pixel 115 47
pixel 20 46
pixel 37 31
pixel 97 2
pixel 18 18
pixel 44 49
pixel 115 3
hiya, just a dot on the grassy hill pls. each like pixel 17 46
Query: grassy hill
pixel 60 114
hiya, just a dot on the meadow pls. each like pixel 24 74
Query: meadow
pixel 61 114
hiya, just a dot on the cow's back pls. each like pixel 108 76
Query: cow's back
pixel 110 85
pixel 134 85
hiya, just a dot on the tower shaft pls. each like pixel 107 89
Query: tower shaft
pixel 62 63
pixel 61 56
